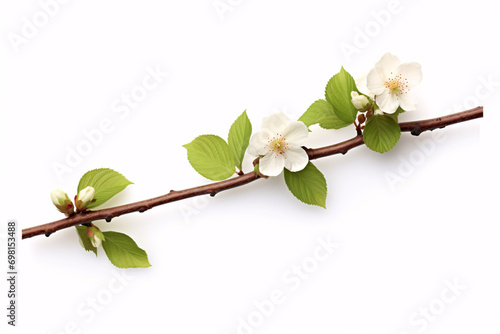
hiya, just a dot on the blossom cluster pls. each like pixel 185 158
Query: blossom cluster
pixel 385 89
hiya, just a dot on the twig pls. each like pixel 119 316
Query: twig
pixel 212 189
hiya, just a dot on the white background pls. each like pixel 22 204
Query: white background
pixel 214 258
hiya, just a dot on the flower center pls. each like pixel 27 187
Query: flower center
pixel 397 85
pixel 277 144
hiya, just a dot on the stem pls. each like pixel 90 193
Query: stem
pixel 415 128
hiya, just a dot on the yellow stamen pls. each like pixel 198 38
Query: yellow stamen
pixel 277 144
pixel 397 85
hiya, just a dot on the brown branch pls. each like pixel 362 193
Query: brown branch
pixel 212 189
pixel 141 206
pixel 417 127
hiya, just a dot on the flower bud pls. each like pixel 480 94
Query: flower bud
pixel 84 198
pixel 93 232
pixel 58 196
pixel 360 102
pixel 96 242
pixel 361 118
pixel 62 202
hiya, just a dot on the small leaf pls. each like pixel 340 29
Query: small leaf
pixel 84 239
pixel 123 252
pixel 399 111
pixel 211 157
pixel 106 182
pixel 322 112
pixel 239 137
pixel 381 133
pixel 338 94
pixel 332 121
pixel 308 185
pixel 315 112
pixel 395 115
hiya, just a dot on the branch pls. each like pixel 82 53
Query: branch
pixel 415 128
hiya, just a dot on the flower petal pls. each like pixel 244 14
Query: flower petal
pixel 258 143
pixel 388 102
pixel 296 159
pixel 272 164
pixel 295 133
pixel 412 72
pixel 361 84
pixel 375 81
pixel 388 64
pixel 408 102
pixel 276 122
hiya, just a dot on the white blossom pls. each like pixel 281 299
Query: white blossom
pixel 391 82
pixel 278 145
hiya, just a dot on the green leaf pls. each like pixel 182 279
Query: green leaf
pixel 211 157
pixel 322 112
pixel 332 121
pixel 315 112
pixel 395 115
pixel 338 94
pixel 123 252
pixel 84 239
pixel 239 137
pixel 106 183
pixel 381 133
pixel 399 111
pixel 308 185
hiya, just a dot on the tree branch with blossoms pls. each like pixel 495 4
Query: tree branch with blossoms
pixel 278 148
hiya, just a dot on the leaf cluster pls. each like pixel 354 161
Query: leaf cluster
pixel 120 249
